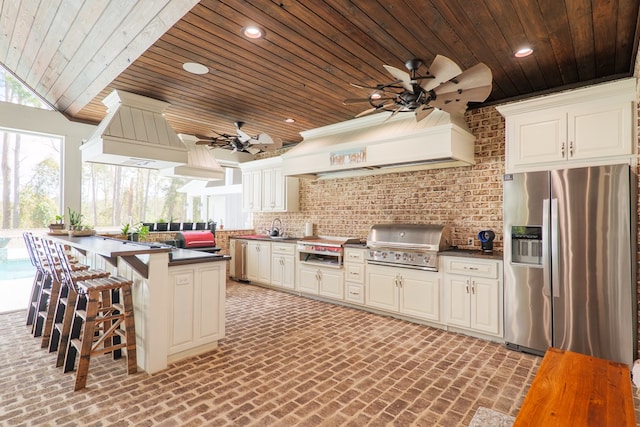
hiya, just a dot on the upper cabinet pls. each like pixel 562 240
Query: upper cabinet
pixel 266 189
pixel 580 127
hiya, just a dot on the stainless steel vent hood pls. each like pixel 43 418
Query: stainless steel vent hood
pixel 378 144
pixel 200 165
pixel 134 133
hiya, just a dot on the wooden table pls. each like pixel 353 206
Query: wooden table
pixel 572 389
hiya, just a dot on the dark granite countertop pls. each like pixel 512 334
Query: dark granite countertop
pixel 188 256
pixel 472 253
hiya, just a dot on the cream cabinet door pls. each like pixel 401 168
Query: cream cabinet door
pixel 196 312
pixel 252 191
pixel 282 271
pixel 382 288
pixel 259 261
pixel 457 300
pixel 331 283
pixel 485 313
pixel 599 130
pixel 420 294
pixel 535 138
pixel 308 279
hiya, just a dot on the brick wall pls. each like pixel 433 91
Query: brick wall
pixel 468 199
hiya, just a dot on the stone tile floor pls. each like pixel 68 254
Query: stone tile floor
pixel 286 361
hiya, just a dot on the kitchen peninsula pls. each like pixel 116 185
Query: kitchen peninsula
pixel 178 295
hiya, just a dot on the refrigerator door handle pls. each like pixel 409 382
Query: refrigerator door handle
pixel 546 284
pixel 555 276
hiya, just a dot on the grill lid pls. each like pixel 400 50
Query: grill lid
pixel 195 239
pixel 421 237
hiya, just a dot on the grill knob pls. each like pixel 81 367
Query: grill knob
pixel 398 256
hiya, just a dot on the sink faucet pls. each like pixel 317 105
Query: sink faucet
pixel 279 230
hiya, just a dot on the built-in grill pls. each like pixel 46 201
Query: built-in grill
pixel 407 245
pixel 200 240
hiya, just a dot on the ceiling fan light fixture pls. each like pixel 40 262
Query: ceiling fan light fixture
pixel 523 52
pixel 253 32
pixel 195 68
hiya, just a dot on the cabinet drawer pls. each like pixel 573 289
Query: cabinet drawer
pixel 354 272
pixel 283 248
pixel 354 255
pixel 472 267
pixel 355 293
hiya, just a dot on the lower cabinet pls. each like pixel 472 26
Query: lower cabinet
pixel 259 261
pixel 415 293
pixel 473 294
pixel 324 281
pixel 196 300
pixel 283 265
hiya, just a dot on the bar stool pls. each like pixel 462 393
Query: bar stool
pixel 38 279
pixel 56 332
pixel 50 295
pixel 103 307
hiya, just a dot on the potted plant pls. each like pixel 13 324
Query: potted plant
pixel 174 226
pixel 58 225
pixel 150 225
pixel 161 225
pixel 143 232
pixel 187 225
pixel 200 224
pixel 76 227
pixel 75 220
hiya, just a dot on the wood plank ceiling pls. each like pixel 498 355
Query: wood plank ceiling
pixel 74 53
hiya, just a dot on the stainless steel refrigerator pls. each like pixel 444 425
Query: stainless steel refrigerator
pixel 569 261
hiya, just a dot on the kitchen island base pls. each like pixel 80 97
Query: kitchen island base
pixel 178 305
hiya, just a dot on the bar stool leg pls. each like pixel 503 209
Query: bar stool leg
pixel 65 327
pixel 87 340
pixel 50 313
pixel 130 330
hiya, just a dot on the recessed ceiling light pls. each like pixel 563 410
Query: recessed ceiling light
pixel 253 32
pixel 376 95
pixel 521 53
pixel 195 68
pixel 289 120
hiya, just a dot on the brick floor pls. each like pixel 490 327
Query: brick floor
pixel 286 361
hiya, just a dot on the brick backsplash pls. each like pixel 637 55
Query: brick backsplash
pixel 468 199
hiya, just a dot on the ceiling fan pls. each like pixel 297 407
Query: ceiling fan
pixel 444 86
pixel 241 141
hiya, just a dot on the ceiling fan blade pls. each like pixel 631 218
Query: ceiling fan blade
pixel 477 76
pixel 368 111
pixel 252 150
pixel 394 112
pixel 243 136
pixel 402 77
pixel 442 69
pixel 476 94
pixel 423 111
pixel 262 139
pixel 276 143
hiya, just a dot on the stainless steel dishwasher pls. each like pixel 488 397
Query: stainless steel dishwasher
pixel 238 267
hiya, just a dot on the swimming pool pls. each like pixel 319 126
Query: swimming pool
pixel 16 269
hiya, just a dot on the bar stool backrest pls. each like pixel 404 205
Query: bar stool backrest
pixel 29 243
pixel 53 263
pixel 65 267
